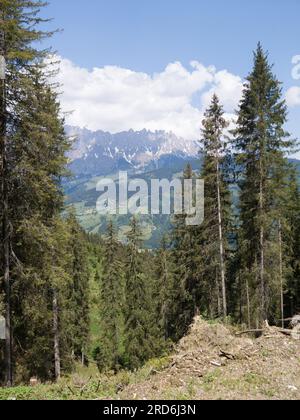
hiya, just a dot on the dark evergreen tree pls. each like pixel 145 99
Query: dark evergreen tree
pixel 18 32
pixel 186 286
pixel 37 254
pixel 214 232
pixel 261 143
pixel 79 297
pixel 112 303
pixel 138 346
pixel 163 289
pixel 292 296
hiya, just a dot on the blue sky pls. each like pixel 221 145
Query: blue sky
pixel 146 36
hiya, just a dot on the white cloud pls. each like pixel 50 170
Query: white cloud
pixel 115 99
pixel 296 68
pixel 229 89
pixel 293 96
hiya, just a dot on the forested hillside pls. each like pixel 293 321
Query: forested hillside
pixel 70 297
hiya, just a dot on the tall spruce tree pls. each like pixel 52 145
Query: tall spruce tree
pixel 163 289
pixel 214 230
pixel 112 303
pixel 38 145
pixel 138 347
pixel 261 143
pixel 37 255
pixel 79 296
pixel 186 258
pixel 292 296
pixel 18 31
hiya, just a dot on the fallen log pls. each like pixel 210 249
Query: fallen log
pixel 285 331
pixel 294 321
pixel 280 330
pixel 249 332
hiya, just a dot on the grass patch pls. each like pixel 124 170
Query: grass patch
pixel 86 384
pixel 210 379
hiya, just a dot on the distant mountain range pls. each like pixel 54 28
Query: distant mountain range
pixel 146 154
pixel 101 153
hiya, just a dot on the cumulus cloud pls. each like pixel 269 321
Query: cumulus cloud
pixel 293 96
pixel 112 98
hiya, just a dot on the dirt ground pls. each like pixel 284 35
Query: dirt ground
pixel 212 363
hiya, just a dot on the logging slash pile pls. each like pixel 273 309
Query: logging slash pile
pixel 215 361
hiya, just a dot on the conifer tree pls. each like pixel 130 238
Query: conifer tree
pixel 112 302
pixel 137 315
pixel 292 296
pixel 261 144
pixel 18 21
pixel 164 289
pixel 39 146
pixel 186 257
pixel 79 288
pixel 33 146
pixel 214 231
pixel 43 333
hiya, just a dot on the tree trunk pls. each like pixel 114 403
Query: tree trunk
pixel 57 364
pixel 248 304
pixel 218 294
pixel 262 247
pixel 221 243
pixel 5 223
pixel 281 273
pixel 240 299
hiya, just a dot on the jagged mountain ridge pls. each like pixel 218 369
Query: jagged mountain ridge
pixel 101 153
pixel 146 154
